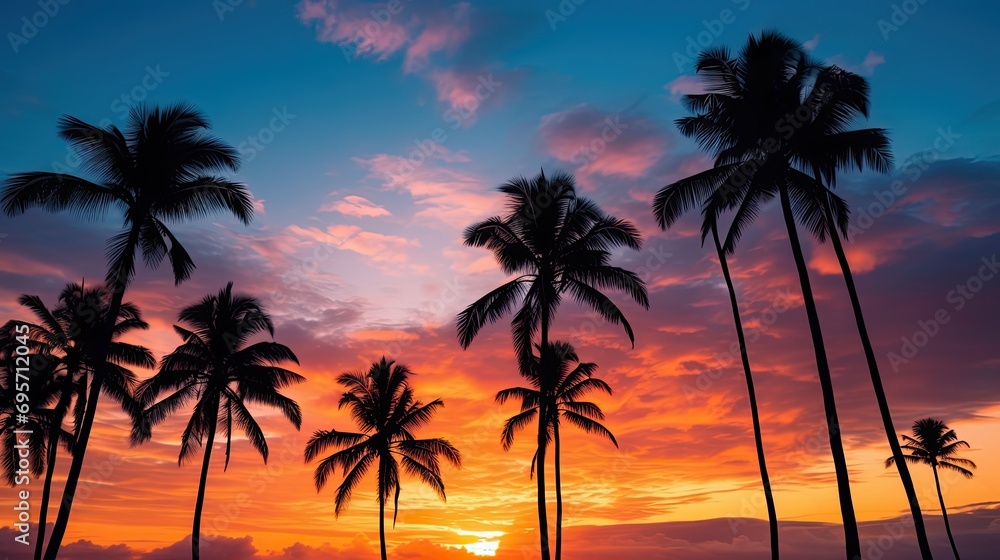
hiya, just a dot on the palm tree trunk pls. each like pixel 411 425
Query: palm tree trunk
pixel 50 469
pixel 559 503
pixel 543 374
pixel 381 514
pixel 202 483
pixel 772 516
pixel 883 404
pixel 80 447
pixel 851 537
pixel 944 513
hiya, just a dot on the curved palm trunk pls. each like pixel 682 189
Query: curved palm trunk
pixel 883 404
pixel 202 483
pixel 80 447
pixel 559 503
pixel 772 516
pixel 851 537
pixel 381 509
pixel 944 513
pixel 50 469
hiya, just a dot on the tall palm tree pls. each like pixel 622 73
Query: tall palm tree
pixel 667 209
pixel 935 444
pixel 67 342
pixel 382 404
pixel 563 404
pixel 218 368
pixel 161 169
pixel 557 243
pixel 748 121
pixel 826 144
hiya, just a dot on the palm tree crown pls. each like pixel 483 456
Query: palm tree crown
pixel 382 404
pixel 936 445
pixel 162 168
pixel 556 243
pixel 217 368
pixel 570 384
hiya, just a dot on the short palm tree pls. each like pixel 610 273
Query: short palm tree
pixel 936 445
pixel 67 338
pixel 557 244
pixel 161 169
pixel 562 404
pixel 382 404
pixel 218 369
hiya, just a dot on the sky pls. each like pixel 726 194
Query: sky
pixel 370 138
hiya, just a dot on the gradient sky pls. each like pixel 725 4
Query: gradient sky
pixel 367 155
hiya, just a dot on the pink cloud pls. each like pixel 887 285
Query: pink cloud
pixel 371 29
pixel 685 84
pixel 603 143
pixel 865 68
pixel 443 193
pixel 357 206
pixel 379 247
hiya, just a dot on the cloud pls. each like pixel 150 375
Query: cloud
pixel 379 247
pixel 603 143
pixel 442 193
pixel 685 84
pixel 421 32
pixel 866 67
pixel 358 206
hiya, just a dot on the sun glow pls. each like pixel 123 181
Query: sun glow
pixel 483 547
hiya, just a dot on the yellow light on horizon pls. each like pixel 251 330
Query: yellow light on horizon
pixel 483 547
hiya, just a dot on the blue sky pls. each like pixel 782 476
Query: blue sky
pixel 359 254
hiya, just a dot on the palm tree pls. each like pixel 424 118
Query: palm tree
pixel 217 368
pixel 66 341
pixel 667 208
pixel 161 169
pixel 382 405
pixel 748 121
pixel 826 144
pixel 557 244
pixel 562 404
pixel 935 444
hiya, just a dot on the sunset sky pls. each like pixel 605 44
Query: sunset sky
pixel 368 156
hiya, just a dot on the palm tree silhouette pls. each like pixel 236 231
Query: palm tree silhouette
pixel 668 205
pixel 67 342
pixel 562 404
pixel 936 445
pixel 161 169
pixel 381 402
pixel 747 121
pixel 218 368
pixel 557 244
pixel 826 144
